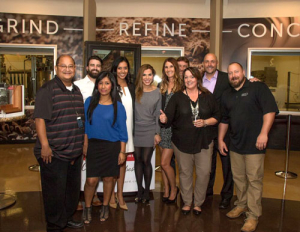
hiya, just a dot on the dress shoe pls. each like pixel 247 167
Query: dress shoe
pixel 236 212
pixel 250 225
pixel 113 205
pixel 175 199
pixel 197 212
pixel 224 203
pixel 74 224
pixel 124 207
pixel 165 199
pixel 186 211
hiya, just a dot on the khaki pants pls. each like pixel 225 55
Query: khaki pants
pixel 186 162
pixel 248 173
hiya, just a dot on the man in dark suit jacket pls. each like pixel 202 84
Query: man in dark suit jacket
pixel 217 82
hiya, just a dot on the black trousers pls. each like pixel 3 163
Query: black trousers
pixel 227 189
pixel 61 189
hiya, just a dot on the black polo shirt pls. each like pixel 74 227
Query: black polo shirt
pixel 60 107
pixel 243 110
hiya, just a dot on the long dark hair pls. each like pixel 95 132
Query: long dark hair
pixel 96 95
pixel 114 68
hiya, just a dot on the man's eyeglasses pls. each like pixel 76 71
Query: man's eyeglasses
pixel 64 67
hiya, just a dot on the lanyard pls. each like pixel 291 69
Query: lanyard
pixel 71 98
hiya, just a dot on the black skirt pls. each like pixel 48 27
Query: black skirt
pixel 102 158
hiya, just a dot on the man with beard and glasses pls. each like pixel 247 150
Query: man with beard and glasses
pixel 249 109
pixel 93 69
pixel 86 86
pixel 217 82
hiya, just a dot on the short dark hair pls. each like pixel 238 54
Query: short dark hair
pixel 237 64
pixel 94 58
pixel 64 55
pixel 183 58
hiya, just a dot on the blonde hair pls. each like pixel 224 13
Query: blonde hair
pixel 165 80
pixel 139 81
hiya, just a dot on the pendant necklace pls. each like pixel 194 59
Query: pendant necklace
pixel 195 109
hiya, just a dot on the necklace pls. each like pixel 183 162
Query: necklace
pixel 194 109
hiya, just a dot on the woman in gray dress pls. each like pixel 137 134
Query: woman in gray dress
pixel 147 128
pixel 171 83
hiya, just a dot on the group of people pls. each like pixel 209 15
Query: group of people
pixel 104 117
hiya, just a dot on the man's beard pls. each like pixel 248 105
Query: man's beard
pixel 92 74
pixel 237 84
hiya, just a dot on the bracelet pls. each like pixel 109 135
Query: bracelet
pixel 122 152
pixel 205 123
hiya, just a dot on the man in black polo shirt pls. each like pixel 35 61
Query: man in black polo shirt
pixel 59 118
pixel 249 109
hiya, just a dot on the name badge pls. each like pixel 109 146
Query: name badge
pixel 79 122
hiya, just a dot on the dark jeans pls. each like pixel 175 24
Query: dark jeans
pixel 61 189
pixel 227 189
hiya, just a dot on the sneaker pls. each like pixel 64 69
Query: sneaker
pixel 236 212
pixel 249 225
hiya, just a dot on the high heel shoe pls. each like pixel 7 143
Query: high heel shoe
pixel 104 213
pixel 186 211
pixel 87 215
pixel 124 207
pixel 114 205
pixel 165 199
pixel 175 199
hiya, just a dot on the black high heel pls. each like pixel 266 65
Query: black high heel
pixel 165 199
pixel 175 199
pixel 87 215
pixel 186 211
pixel 104 213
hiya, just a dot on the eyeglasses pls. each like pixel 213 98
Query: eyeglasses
pixel 64 67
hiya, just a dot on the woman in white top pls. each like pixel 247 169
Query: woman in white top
pixel 121 70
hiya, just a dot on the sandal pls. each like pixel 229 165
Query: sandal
pixel 87 215
pixel 104 213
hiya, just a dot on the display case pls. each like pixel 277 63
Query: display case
pixel 12 102
pixel 279 68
